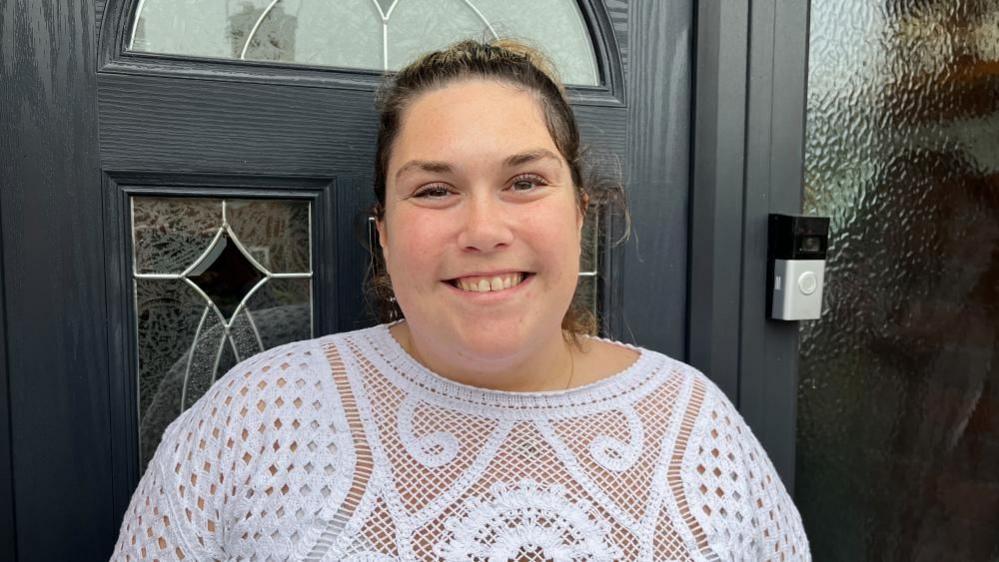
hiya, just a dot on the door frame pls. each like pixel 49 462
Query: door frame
pixel 748 161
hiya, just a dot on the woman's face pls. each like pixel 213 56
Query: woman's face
pixel 481 233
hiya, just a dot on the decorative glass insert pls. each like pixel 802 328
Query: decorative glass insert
pixel 898 400
pixel 369 34
pixel 216 281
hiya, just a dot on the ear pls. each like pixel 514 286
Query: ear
pixel 382 237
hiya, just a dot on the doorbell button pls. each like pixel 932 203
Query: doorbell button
pixel 807 282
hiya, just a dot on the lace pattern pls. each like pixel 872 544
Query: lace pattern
pixel 345 448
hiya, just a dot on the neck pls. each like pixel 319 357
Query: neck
pixel 549 367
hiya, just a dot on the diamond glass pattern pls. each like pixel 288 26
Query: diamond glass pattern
pixel 216 281
pixel 226 276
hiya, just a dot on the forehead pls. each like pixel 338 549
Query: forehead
pixel 468 117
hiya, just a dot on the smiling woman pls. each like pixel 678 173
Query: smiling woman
pixel 478 191
pixel 484 422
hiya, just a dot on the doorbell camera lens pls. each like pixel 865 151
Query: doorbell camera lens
pixel 810 244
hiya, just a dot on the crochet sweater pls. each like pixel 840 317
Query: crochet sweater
pixel 345 448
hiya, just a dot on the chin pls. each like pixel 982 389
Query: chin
pixel 486 350
pixel 492 340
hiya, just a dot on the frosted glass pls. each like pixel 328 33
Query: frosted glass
pixel 171 233
pixel 364 34
pixel 418 26
pixel 256 221
pixel 898 405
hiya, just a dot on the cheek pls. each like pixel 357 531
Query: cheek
pixel 415 243
pixel 556 237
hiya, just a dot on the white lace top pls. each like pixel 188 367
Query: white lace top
pixel 345 448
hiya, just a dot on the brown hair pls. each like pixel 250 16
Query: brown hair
pixel 513 63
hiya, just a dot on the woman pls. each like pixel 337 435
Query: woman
pixel 483 425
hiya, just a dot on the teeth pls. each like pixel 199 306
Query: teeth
pixel 485 285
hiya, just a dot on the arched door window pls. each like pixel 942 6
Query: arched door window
pixel 359 34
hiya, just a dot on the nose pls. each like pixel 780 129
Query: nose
pixel 485 225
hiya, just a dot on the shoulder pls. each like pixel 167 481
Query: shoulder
pixel 708 419
pixel 703 395
pixel 709 415
pixel 676 378
pixel 243 393
pixel 284 395
pixel 295 367
pixel 275 390
pixel 740 503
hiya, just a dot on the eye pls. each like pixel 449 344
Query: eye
pixel 433 192
pixel 527 182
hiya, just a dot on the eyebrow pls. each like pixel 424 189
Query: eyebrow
pixel 439 167
pixel 426 166
pixel 531 156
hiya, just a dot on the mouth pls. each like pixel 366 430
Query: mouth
pixel 490 283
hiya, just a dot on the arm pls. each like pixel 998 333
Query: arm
pixel 175 512
pixel 738 498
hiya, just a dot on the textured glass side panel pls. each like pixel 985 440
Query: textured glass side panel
pixel 171 233
pixel 193 328
pixel 898 424
pixel 356 33
pixel 275 233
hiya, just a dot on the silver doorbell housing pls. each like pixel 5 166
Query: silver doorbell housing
pixel 796 251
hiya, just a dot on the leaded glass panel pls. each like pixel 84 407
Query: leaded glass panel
pixel 370 34
pixel 216 281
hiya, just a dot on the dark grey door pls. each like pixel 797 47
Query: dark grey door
pixel 148 195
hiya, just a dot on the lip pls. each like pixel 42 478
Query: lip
pixel 492 296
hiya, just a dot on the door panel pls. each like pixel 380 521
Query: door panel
pixel 185 125
pixel 153 123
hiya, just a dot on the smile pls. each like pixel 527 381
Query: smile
pixel 489 283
